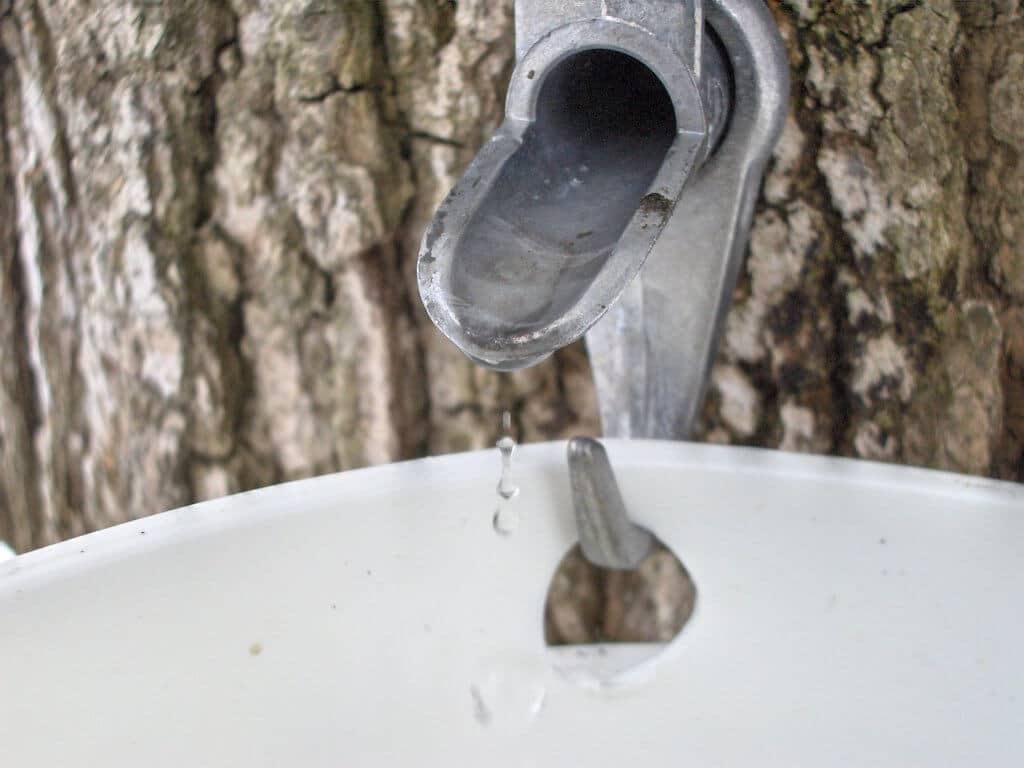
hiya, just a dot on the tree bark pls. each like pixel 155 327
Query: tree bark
pixel 209 215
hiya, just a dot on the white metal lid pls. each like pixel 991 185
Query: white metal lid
pixel 848 614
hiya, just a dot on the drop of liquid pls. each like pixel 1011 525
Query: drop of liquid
pixel 508 692
pixel 506 488
pixel 506 520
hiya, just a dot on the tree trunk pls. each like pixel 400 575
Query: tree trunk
pixel 210 210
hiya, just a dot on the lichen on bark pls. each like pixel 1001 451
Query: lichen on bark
pixel 872 272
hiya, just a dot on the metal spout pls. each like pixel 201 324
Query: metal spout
pixel 608 537
pixel 605 121
pixel 635 131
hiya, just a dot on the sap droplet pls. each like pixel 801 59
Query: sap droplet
pixel 506 488
pixel 506 520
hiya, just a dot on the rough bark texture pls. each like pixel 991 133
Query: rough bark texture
pixel 587 604
pixel 880 314
pixel 209 213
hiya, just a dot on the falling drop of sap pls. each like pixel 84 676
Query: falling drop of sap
pixel 506 517
pixel 506 520
pixel 506 488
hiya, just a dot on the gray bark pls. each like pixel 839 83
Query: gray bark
pixel 209 213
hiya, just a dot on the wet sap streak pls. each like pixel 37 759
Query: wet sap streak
pixel 508 692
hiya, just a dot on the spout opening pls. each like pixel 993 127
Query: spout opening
pixel 605 105
pixel 542 233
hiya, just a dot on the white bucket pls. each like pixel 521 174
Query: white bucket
pixel 848 613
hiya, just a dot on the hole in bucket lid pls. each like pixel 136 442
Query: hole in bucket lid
pixel 605 627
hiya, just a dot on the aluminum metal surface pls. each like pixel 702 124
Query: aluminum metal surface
pixel 605 121
pixel 653 352
pixel 636 135
pixel 608 537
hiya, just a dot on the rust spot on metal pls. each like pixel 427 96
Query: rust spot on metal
pixel 655 204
